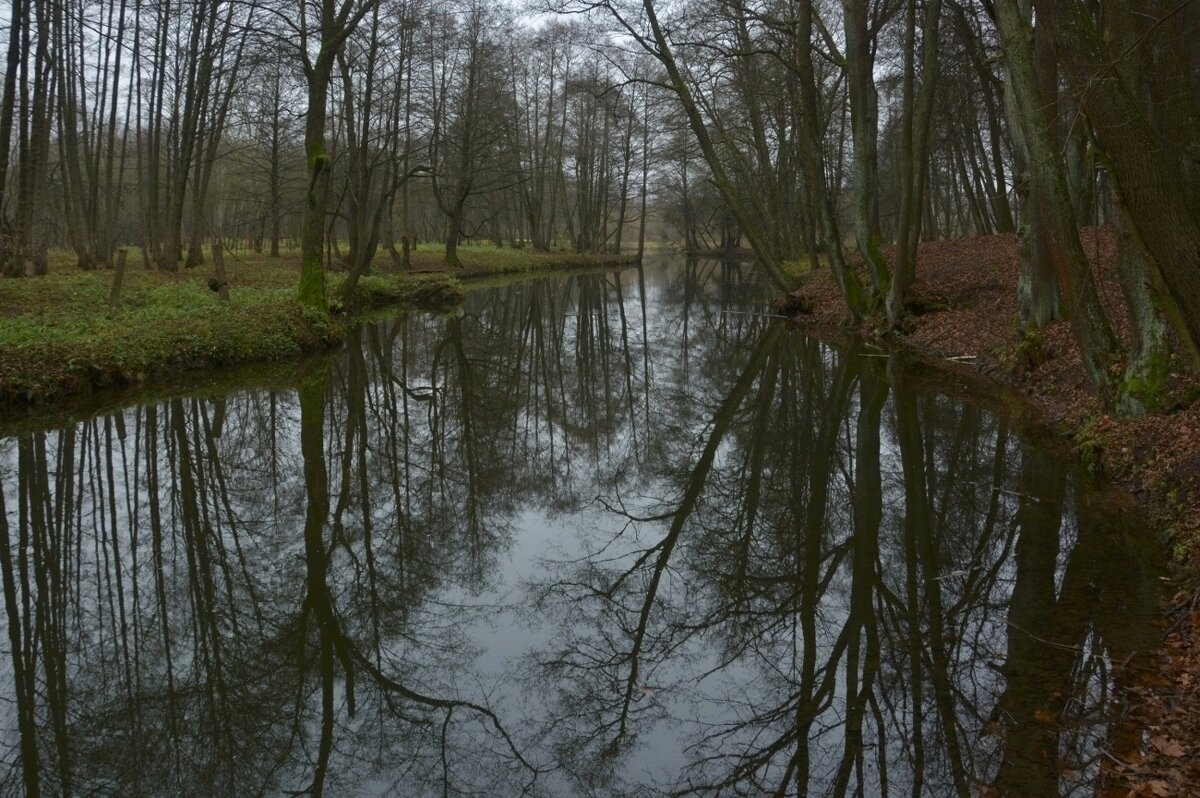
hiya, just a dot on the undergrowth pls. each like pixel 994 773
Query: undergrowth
pixel 58 335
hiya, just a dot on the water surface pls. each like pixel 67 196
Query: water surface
pixel 599 534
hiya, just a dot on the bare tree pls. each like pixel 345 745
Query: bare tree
pixel 323 28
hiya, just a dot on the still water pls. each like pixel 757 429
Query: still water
pixel 597 534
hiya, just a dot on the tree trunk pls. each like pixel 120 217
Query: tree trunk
pixel 864 130
pixel 813 165
pixel 312 236
pixel 915 150
pixel 641 250
pixel 696 120
pixel 31 206
pixel 1148 167
pixel 16 53
pixel 1149 365
pixel 1097 344
pixel 1038 300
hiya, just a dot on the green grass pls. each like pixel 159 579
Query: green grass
pixel 53 350
pixel 477 259
pixel 58 336
pixel 800 269
pixel 485 259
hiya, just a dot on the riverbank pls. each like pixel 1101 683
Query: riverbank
pixel 734 253
pixel 967 303
pixel 60 338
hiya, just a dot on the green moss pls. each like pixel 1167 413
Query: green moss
pixel 1031 351
pixel 801 268
pixel 428 291
pixel 1182 549
pixel 877 263
pixel 317 158
pixel 1026 355
pixel 1145 387
pixel 58 336
pixel 312 281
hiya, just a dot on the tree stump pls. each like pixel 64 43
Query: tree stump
pixel 219 283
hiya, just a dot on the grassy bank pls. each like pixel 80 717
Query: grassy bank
pixel 59 337
pixel 482 261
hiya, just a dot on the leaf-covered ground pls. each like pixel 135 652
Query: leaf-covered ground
pixel 967 306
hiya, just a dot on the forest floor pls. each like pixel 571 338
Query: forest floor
pixel 969 290
pixel 59 338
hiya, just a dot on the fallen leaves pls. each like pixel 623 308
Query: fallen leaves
pixel 1167 747
pixel 1045 716
pixel 1157 788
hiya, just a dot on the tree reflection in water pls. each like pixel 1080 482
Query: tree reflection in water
pixel 612 532
pixel 855 588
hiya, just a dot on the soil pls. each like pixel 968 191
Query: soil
pixel 965 319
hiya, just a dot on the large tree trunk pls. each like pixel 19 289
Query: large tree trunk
pixel 864 130
pixel 312 236
pixel 1150 361
pixel 18 14
pixel 1037 287
pixel 915 150
pixel 813 165
pixel 1150 166
pixel 195 88
pixel 29 231
pixel 1097 344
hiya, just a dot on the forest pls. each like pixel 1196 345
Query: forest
pixel 1008 188
pixel 808 130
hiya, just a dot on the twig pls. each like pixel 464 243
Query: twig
pixel 753 313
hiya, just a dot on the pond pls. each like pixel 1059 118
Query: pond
pixel 618 533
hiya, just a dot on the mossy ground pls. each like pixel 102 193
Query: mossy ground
pixel 59 337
